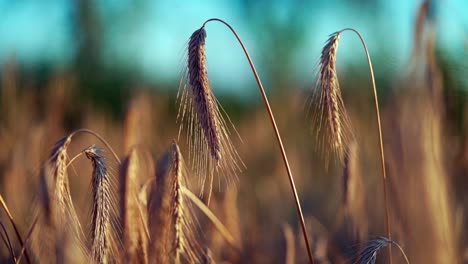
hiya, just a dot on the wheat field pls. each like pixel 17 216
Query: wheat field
pixel 320 174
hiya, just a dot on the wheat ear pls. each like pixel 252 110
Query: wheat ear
pixel 102 204
pixel 134 236
pixel 210 145
pixel 159 207
pixel 276 131
pixel 332 64
pixel 185 242
pixel 331 111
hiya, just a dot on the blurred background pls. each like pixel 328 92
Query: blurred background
pixel 115 67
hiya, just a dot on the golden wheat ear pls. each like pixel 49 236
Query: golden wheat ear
pixel 159 211
pixel 210 146
pixel 185 241
pixel 103 208
pixel 56 201
pixel 330 116
pixel 133 213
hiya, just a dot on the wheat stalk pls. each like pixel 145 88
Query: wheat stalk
pixel 326 75
pixel 7 241
pixel 276 131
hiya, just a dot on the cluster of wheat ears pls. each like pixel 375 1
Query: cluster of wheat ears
pixel 155 222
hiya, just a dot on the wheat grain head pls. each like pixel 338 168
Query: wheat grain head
pixel 185 241
pixel 56 202
pixel 210 147
pixel 330 118
pixel 132 212
pixel 103 208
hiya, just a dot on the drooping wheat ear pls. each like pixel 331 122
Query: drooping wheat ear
pixel 132 212
pixel 369 253
pixel 211 149
pixel 185 242
pixel 276 131
pixel 333 124
pixel 56 198
pixel 101 237
pixel 328 76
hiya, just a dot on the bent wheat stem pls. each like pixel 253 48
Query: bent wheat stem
pixel 277 134
pixel 379 126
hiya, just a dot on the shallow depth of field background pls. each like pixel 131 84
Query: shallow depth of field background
pixel 115 66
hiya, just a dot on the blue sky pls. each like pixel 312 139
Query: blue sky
pixel 150 40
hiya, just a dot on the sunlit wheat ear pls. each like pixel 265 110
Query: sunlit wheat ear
pixel 184 226
pixel 369 254
pixel 132 212
pixel 210 147
pixel 159 209
pixel 102 209
pixel 330 115
pixel 55 190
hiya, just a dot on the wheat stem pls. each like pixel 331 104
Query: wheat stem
pixel 401 250
pixel 84 130
pixel 28 236
pixel 7 241
pixel 221 228
pixel 10 217
pixel 277 134
pixel 379 126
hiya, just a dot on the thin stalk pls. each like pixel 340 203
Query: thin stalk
pixel 7 241
pixel 277 134
pixel 382 155
pixel 10 217
pixel 73 159
pixel 28 236
pixel 221 228
pixel 84 130
pixel 401 250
